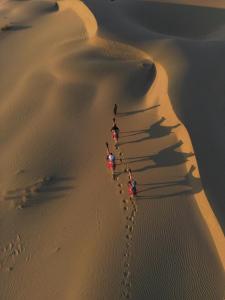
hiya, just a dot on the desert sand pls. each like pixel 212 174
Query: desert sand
pixel 68 231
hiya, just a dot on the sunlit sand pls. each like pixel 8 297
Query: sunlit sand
pixel 68 231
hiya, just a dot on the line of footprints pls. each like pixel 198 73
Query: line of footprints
pixel 130 211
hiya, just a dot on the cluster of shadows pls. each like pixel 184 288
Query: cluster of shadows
pixel 166 157
pixel 50 189
pixel 156 130
pixel 14 27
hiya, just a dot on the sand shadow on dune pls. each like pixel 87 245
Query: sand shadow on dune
pixel 134 112
pixel 155 131
pixel 149 20
pixel 164 158
pixel 191 184
pixel 150 15
pixel 14 27
pixel 41 191
pixel 52 8
pixel 140 80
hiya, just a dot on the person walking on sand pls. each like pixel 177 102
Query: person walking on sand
pixel 115 109
pixel 115 133
pixel 110 160
pixel 132 185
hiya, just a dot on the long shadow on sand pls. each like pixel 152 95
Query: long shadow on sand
pixel 134 112
pixel 155 131
pixel 49 188
pixel 164 158
pixel 191 184
pixel 15 27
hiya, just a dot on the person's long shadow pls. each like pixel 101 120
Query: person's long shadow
pixel 134 112
pixel 191 183
pixel 155 131
pixel 164 158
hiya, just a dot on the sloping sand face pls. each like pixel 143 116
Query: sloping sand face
pixel 68 231
pixel 194 22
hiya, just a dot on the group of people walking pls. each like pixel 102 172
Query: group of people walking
pixel 111 158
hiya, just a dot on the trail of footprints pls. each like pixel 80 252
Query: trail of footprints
pixel 130 211
pixel 9 254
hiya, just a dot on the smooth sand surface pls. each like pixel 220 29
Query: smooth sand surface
pixel 67 230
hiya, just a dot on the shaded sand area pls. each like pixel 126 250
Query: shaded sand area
pixel 68 231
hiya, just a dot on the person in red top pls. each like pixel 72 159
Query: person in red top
pixel 110 160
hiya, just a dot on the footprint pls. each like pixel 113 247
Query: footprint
pixel 126 274
pixel 126 294
pixel 34 189
pixel 125 208
pixel 123 282
pixel 128 285
pixel 133 214
pixel 129 237
pixel 127 245
pixel 20 171
pixel 129 227
pixel 132 219
pixel 135 208
pixel 127 254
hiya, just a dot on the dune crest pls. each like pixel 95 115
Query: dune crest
pixel 83 12
pixel 160 90
pixel 68 230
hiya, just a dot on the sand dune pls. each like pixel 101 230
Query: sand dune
pixel 68 231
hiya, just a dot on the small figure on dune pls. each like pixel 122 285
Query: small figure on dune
pixel 132 185
pixel 115 109
pixel 110 161
pixel 115 133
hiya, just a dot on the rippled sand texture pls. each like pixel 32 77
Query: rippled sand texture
pixel 67 230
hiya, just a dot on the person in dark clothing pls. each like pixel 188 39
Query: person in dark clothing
pixel 115 133
pixel 132 185
pixel 115 109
